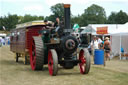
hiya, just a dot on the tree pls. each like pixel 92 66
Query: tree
pixel 118 18
pixel 94 15
pixel 51 18
pixel 0 23
pixel 121 17
pixel 76 20
pixel 9 21
pixel 111 18
pixel 58 10
pixel 28 18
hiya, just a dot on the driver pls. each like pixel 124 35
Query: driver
pixel 48 25
pixel 57 23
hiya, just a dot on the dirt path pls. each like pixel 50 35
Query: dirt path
pixel 12 73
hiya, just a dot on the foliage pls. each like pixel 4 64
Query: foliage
pixel 58 10
pixel 118 18
pixel 51 18
pixel 94 15
pixel 76 20
pixel 28 18
pixel 10 21
pixel 111 18
pixel 121 17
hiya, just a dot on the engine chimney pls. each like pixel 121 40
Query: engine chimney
pixel 67 18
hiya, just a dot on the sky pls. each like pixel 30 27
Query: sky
pixel 42 7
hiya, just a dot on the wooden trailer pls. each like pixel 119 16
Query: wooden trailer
pixel 21 37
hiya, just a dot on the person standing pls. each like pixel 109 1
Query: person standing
pixel 0 41
pixel 100 44
pixel 107 48
pixel 94 45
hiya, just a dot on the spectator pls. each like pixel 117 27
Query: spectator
pixel 94 44
pixel 0 41
pixel 107 48
pixel 3 41
pixel 100 44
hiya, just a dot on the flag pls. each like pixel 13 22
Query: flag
pixel 76 26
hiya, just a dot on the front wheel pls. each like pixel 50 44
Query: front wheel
pixel 85 61
pixel 52 62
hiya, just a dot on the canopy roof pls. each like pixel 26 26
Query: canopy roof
pixel 88 29
pixel 32 23
pixel 112 28
pixel 122 29
pixel 2 34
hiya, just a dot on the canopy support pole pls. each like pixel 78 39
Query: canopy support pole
pixel 120 46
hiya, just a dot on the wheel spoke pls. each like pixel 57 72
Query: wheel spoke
pixel 52 62
pixel 36 60
pixel 82 62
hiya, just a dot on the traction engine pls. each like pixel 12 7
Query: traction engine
pixel 58 46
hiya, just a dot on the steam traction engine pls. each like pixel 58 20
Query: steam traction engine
pixel 58 46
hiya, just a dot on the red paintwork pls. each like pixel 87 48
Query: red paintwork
pixel 83 62
pixel 32 31
pixel 32 55
pixel 50 63
pixel 19 43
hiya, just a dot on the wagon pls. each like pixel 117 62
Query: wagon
pixel 21 37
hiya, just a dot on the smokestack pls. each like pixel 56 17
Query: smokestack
pixel 67 17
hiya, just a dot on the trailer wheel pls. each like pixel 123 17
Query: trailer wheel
pixel 17 57
pixel 37 53
pixel 52 62
pixel 84 64
pixel 25 60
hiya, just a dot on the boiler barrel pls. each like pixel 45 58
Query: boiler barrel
pixel 99 57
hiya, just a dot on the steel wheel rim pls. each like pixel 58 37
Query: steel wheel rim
pixel 33 55
pixel 82 63
pixel 50 63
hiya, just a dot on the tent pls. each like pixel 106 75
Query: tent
pixel 88 29
pixel 119 39
pixel 3 35
pixel 111 27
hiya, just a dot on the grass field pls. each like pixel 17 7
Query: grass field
pixel 12 73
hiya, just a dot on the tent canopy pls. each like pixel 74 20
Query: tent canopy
pixel 92 28
pixel 119 39
pixel 122 29
pixel 88 29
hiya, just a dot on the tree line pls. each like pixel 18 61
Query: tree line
pixel 92 15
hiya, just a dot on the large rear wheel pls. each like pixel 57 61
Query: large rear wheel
pixel 37 53
pixel 52 62
pixel 84 64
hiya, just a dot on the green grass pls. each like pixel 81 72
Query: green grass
pixel 12 73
